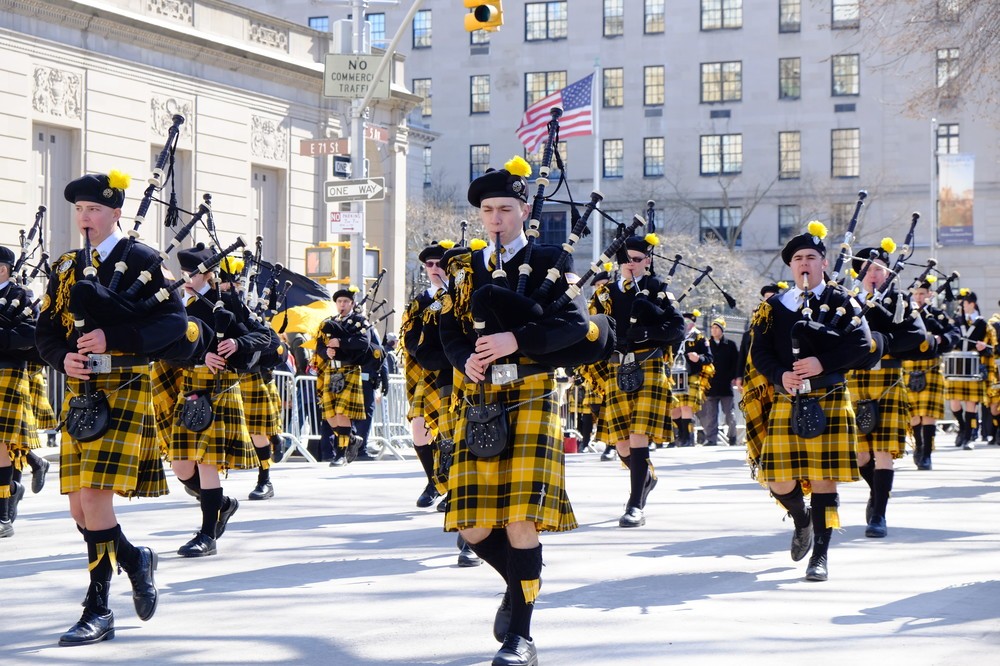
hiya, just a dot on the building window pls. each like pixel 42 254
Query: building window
pixel 614 18
pixel 535 158
pixel 542 84
pixel 552 228
pixel 721 154
pixel 845 153
pixel 652 156
pixel 789 154
pixel 545 20
pixel 721 82
pixel 721 224
pixel 789 15
pixel 947 66
pixel 609 227
pixel 721 14
pixel 788 223
pixel 845 14
pixel 422 29
pixel 422 87
pixel 789 78
pixel 653 17
pixel 652 85
pixel 614 87
pixel 948 10
pixel 840 218
pixel 427 166
pixel 846 75
pixel 377 22
pixel 321 23
pixel 479 160
pixel 613 161
pixel 947 139
pixel 479 90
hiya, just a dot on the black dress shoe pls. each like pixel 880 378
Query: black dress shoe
pixel 443 505
pixel 97 622
pixel 802 539
pixel 192 493
pixel 816 571
pixel 201 545
pixel 353 449
pixel 647 487
pixel 339 461
pixel 229 507
pixel 16 495
pixel 144 593
pixel 428 496
pixel 263 491
pixel 632 517
pixel 501 621
pixel 468 558
pixel 869 509
pixel 38 476
pixel 516 651
pixel 609 454
pixel 6 529
pixel 876 528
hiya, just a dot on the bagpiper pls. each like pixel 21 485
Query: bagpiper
pixel 965 393
pixel 694 353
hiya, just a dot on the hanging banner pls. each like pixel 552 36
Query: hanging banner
pixel 955 190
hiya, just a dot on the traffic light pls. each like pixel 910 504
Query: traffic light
pixel 485 15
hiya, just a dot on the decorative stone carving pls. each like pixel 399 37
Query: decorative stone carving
pixel 57 93
pixel 268 35
pixel 180 10
pixel 162 111
pixel 268 139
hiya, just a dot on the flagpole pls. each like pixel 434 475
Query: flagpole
pixel 596 92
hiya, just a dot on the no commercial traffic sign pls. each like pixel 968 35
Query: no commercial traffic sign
pixel 350 77
pixel 368 189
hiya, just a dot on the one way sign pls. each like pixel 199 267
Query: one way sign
pixel 369 189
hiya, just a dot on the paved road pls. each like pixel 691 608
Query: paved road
pixel 341 568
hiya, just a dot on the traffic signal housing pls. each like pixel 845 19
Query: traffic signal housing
pixel 485 15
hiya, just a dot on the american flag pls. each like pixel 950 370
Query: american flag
pixel 577 118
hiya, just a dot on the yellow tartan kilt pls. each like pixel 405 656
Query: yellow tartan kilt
pixel 260 408
pixel 350 402
pixel 974 391
pixel 412 375
pixel 527 482
pixel 226 442
pixel 45 416
pixel 437 403
pixel 930 401
pixel 18 429
pixel 166 381
pixel 886 387
pixel 695 396
pixel 829 457
pixel 418 398
pixel 126 459
pixel 645 412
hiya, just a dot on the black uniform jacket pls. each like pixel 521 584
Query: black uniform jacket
pixel 228 325
pixel 17 332
pixel 649 331
pixel 906 340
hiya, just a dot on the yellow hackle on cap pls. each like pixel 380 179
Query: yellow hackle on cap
pixel 446 244
pixel 477 244
pixel 888 245
pixel 517 166
pixel 817 229
pixel 652 239
pixel 696 312
pixel 608 266
pixel 119 180
pixel 931 279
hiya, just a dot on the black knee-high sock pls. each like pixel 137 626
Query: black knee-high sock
pixel 264 456
pixel 824 519
pixel 343 434
pixel 586 423
pixel 14 478
pixel 971 423
pixel 275 441
pixel 960 417
pixel 795 502
pixel 493 551
pixel 918 443
pixel 524 581
pixel 638 467
pixel 868 471
pixel 193 484
pixel 929 431
pixel 425 454
pixel 101 553
pixel 883 486
pixel 211 503
pixel 6 474
pixel 684 429
pixel 128 554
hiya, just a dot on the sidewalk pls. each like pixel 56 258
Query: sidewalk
pixel 341 568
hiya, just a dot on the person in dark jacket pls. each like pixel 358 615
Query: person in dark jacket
pixel 725 356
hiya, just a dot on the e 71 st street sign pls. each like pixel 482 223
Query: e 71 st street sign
pixel 368 189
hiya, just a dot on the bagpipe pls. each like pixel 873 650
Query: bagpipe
pixel 357 346
pixel 497 308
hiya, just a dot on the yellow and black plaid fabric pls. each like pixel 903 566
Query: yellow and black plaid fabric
pixel 350 402
pixel 756 403
pixel 436 403
pixel 967 391
pixel 126 459
pixel 885 386
pixel 166 381
pixel 418 397
pixel 259 406
pixel 416 382
pixel 695 396
pixel 644 412
pixel 829 457
pixel 930 401
pixel 226 442
pixel 524 483
pixel 45 416
pixel 597 378
pixel 18 429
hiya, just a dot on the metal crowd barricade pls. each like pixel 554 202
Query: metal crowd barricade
pixel 299 413
pixel 390 427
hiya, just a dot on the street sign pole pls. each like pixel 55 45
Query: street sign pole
pixel 358 109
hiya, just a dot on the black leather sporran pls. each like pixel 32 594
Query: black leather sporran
pixel 866 415
pixel 487 430
pixel 88 417
pixel 808 418
pixel 196 412
pixel 630 377
pixel 917 381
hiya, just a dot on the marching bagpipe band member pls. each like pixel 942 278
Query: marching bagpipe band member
pixel 924 381
pixel 964 396
pixel 809 432
pixel 18 429
pixel 261 402
pixel 993 375
pixel 104 344
pixel 638 387
pixel 595 379
pixel 697 356
pixel 507 482
pixel 342 346
pixel 878 393
pixel 209 433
